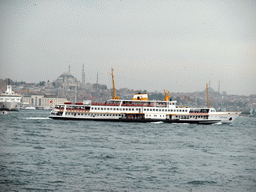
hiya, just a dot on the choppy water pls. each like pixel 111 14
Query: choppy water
pixel 41 154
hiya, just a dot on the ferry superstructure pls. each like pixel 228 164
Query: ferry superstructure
pixel 140 109
pixel 10 100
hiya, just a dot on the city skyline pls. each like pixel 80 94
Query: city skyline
pixel 152 45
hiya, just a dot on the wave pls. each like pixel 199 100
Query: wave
pixel 199 182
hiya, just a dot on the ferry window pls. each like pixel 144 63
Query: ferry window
pixel 107 108
pixel 101 108
pixel 174 110
pixel 153 109
pixel 132 109
pixel 165 109
pixel 114 109
pixel 110 108
pixel 183 110
pixel 156 109
pixel 104 108
pixel 117 109
pixel 150 109
pixel 160 115
pixel 129 109
pixel 92 108
pixel 155 115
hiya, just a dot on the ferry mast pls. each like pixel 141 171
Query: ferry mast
pixel 114 90
pixel 207 95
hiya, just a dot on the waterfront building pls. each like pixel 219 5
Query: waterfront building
pixel 42 101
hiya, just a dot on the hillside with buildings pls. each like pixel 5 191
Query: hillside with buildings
pixel 66 87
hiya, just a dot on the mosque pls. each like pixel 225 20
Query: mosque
pixel 67 81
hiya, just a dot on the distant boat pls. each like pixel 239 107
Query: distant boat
pixel 29 108
pixel 4 112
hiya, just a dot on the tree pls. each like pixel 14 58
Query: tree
pixel 41 83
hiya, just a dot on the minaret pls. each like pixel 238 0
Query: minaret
pixel 97 81
pixel 83 78
pixel 69 68
pixel 219 87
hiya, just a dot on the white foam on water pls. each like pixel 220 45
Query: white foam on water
pixel 158 122
pixel 37 118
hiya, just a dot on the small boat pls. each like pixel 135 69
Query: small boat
pixel 4 112
pixel 29 108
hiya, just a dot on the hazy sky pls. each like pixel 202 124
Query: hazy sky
pixel 177 45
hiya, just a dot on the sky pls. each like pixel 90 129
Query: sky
pixel 177 45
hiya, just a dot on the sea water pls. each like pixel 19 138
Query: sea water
pixel 42 154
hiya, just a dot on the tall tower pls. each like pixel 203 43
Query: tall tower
pixel 83 78
pixel 97 81
pixel 219 87
pixel 69 68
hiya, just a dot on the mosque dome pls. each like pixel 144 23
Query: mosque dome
pixel 66 81
pixel 66 74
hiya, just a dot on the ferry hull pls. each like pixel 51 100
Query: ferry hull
pixel 136 120
pixel 10 106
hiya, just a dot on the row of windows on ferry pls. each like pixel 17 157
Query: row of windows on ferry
pixel 137 109
pixel 92 114
pixel 191 117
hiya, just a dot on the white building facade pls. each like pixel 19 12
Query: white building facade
pixel 41 101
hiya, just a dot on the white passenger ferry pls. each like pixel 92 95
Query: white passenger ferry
pixel 140 109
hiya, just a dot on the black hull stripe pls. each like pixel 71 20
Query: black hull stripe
pixel 139 120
